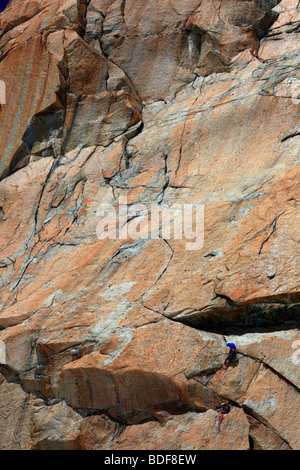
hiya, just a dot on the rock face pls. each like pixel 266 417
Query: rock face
pixel 118 342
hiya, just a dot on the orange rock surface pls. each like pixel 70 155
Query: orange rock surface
pixel 118 342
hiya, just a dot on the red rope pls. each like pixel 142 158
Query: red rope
pixel 213 391
pixel 221 417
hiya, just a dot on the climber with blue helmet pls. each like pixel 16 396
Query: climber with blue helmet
pixel 231 354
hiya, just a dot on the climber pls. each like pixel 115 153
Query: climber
pixel 231 354
pixel 223 410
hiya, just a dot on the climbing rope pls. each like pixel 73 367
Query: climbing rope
pixel 213 390
pixel 221 416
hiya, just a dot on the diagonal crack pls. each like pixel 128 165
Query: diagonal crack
pixel 159 277
pixel 273 232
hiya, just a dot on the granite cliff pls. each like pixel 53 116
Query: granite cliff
pixel 119 342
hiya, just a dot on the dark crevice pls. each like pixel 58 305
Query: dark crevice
pixel 290 136
pixel 251 444
pixel 253 318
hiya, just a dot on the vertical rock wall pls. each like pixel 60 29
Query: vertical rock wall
pixel 119 343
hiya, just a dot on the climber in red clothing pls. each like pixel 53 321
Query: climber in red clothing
pixel 223 410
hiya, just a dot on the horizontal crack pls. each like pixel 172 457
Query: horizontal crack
pixel 261 317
